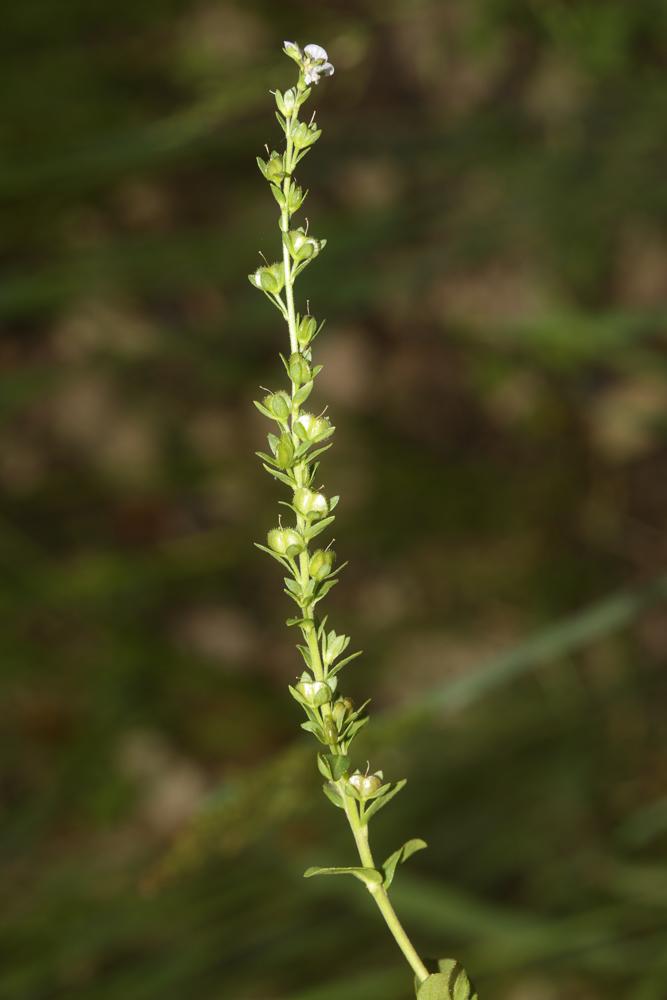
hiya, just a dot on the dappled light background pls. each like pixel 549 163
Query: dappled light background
pixel 491 181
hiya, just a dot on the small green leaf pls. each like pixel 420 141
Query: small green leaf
pixel 333 795
pixel 318 527
pixel 378 803
pixel 436 987
pixel 399 856
pixel 278 475
pixel 344 663
pixel 339 764
pixel 450 983
pixel 302 394
pixel 369 876
pixel 315 730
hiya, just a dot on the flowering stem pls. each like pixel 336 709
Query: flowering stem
pixel 293 450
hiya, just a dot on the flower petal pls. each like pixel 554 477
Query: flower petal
pixel 316 52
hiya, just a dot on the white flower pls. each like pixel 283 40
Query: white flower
pixel 316 52
pixel 316 63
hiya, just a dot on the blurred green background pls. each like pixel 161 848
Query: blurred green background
pixel 491 180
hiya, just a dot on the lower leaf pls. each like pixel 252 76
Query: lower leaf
pixel 450 983
pixel 369 876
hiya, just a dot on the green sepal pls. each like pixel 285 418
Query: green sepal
pixel 369 876
pixel 333 795
pixel 281 559
pixel 263 410
pixel 299 697
pixel 278 195
pixel 382 800
pixel 302 394
pixel 269 459
pixel 398 857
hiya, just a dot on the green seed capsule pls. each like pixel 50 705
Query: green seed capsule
pixel 316 693
pixel 309 504
pixel 279 405
pixel 285 451
pixel 340 710
pixel 330 732
pixel 311 428
pixel 299 370
pixel 269 279
pixel 285 541
pixel 366 785
pixel 306 330
pixel 295 198
pixel 301 246
pixel 304 135
pixel 272 169
pixel 321 564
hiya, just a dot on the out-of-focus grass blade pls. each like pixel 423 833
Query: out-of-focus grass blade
pixel 271 782
pixel 574 633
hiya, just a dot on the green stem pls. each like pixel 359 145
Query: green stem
pixel 378 892
pixel 289 277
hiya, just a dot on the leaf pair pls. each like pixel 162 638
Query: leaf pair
pixel 372 877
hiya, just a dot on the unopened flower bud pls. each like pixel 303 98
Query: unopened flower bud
pixel 306 330
pixel 316 693
pixel 293 50
pixel 321 564
pixel 285 541
pixel 287 103
pixel 285 451
pixel 330 731
pixel 310 504
pixel 295 198
pixel 279 405
pixel 340 710
pixel 299 370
